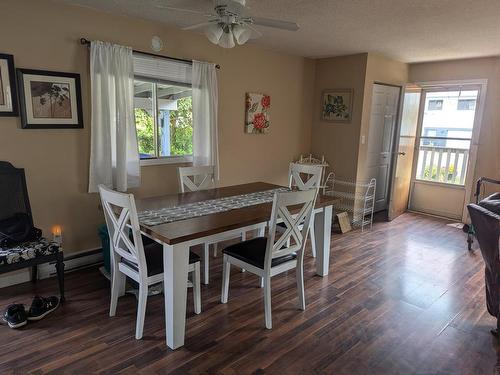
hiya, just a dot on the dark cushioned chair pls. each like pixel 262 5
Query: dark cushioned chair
pixel 14 200
pixel 487 229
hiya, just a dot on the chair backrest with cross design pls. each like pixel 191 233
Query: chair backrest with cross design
pixel 122 220
pixel 196 178
pixel 297 223
pixel 304 177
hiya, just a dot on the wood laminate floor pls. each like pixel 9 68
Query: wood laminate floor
pixel 406 297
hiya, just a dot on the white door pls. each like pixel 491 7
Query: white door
pixel 442 167
pixel 383 119
pixel 405 147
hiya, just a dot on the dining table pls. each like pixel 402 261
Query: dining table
pixel 179 235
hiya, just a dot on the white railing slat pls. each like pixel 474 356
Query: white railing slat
pixel 447 167
pixel 455 167
pixel 464 167
pixel 438 169
pixel 431 163
pixel 424 162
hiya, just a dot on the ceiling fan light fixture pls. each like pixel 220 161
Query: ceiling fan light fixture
pixel 214 33
pixel 242 34
pixel 227 38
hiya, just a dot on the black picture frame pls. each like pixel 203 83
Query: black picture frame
pixel 13 87
pixel 25 122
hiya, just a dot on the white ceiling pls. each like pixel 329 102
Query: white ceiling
pixel 406 30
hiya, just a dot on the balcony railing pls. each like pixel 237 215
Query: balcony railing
pixel 442 164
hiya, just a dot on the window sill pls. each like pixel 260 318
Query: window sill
pixel 442 184
pixel 167 160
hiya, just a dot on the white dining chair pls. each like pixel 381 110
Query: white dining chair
pixel 305 177
pixel 269 256
pixel 196 178
pixel 202 178
pixel 129 256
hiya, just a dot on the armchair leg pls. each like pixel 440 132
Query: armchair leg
pixel 60 275
pixel 34 274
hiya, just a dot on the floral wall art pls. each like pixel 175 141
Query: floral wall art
pixel 336 105
pixel 257 113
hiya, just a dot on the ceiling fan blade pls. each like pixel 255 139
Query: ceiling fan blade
pixel 199 25
pixel 277 24
pixel 185 10
pixel 255 33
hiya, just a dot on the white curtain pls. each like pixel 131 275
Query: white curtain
pixel 114 159
pixel 205 104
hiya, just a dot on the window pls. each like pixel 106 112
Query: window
pixel 445 137
pixel 466 104
pixel 163 109
pixel 435 105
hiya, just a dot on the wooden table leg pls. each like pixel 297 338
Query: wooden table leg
pixel 175 266
pixel 322 233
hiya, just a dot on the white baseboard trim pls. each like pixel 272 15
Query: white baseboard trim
pixel 72 262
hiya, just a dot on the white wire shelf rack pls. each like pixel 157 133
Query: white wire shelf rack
pixel 356 198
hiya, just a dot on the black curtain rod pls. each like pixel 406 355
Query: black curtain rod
pixel 84 41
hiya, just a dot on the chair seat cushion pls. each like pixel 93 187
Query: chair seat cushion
pixel 154 259
pixel 28 250
pixel 254 251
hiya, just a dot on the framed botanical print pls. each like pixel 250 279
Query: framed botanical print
pixel 336 105
pixel 49 100
pixel 8 92
pixel 257 113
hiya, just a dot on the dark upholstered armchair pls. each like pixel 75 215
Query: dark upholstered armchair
pixel 485 217
pixel 14 201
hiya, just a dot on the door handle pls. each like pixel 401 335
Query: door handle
pixel 402 153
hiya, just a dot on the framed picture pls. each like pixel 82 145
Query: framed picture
pixel 8 92
pixel 336 105
pixel 257 113
pixel 49 100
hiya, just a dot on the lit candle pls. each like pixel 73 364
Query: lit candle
pixel 57 233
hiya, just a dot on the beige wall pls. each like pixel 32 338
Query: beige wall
pixel 43 35
pixel 340 143
pixel 336 141
pixel 379 69
pixel 488 155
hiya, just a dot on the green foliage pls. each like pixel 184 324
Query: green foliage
pixel 145 131
pixel 181 128
pixel 442 176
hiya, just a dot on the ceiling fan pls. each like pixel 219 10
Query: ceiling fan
pixel 229 24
